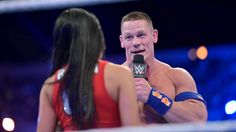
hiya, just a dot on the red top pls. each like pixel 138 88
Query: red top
pixel 107 110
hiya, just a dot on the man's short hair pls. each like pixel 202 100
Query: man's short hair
pixel 136 15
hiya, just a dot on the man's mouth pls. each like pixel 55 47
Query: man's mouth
pixel 137 51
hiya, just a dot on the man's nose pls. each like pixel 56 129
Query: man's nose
pixel 136 42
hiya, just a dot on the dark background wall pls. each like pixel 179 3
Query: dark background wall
pixel 26 44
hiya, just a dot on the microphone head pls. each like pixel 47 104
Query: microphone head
pixel 138 59
pixel 139 68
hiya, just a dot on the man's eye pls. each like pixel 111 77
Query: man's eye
pixel 128 37
pixel 140 35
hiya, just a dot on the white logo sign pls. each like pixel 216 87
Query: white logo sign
pixel 139 69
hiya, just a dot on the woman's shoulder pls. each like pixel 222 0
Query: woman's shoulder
pixel 50 80
pixel 47 87
pixel 117 68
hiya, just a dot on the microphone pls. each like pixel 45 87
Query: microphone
pixel 139 67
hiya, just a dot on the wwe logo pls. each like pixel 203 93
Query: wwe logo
pixel 139 69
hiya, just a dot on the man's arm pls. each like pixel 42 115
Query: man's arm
pixel 189 109
pixel 167 107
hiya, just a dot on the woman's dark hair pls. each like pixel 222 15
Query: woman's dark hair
pixel 78 45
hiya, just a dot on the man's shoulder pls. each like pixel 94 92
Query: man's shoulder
pixel 179 75
pixel 178 70
pixel 162 66
pixel 168 68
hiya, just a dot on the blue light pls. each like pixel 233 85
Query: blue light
pixel 230 107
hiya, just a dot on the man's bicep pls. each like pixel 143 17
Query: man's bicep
pixel 184 82
pixel 187 91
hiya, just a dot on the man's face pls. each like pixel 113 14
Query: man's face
pixel 138 37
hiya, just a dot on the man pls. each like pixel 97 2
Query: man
pixel 167 94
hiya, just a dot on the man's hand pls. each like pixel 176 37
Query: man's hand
pixel 142 89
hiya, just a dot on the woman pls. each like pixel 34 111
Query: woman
pixel 86 92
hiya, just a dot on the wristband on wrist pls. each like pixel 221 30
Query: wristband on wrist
pixel 159 101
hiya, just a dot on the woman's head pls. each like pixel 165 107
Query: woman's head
pixel 77 34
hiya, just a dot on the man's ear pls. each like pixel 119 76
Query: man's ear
pixel 121 42
pixel 155 36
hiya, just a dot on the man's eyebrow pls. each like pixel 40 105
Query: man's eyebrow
pixel 141 31
pixel 127 34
